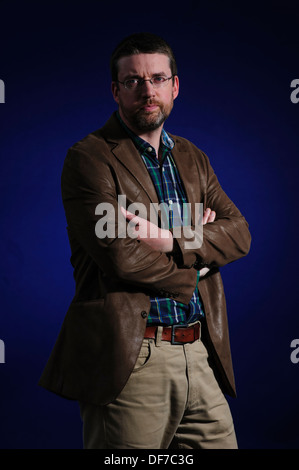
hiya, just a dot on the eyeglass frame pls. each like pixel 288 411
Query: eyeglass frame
pixel 142 80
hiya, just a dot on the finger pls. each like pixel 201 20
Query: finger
pixel 128 215
pixel 212 216
pixel 206 215
pixel 203 271
pixel 123 211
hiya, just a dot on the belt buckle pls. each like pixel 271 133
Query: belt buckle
pixel 173 328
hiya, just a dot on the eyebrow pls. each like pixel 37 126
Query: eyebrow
pixel 135 75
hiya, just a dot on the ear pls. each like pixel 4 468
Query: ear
pixel 175 87
pixel 115 91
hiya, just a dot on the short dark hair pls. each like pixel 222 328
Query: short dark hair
pixel 141 43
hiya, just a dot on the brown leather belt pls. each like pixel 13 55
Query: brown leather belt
pixel 176 334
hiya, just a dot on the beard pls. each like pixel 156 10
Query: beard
pixel 145 121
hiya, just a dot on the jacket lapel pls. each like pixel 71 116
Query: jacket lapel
pixel 188 172
pixel 125 151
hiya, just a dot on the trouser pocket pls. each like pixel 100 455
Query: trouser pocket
pixel 144 354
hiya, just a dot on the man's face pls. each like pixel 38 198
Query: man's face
pixel 146 108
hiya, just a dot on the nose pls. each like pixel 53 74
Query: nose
pixel 147 89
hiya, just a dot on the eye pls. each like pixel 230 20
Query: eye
pixel 132 82
pixel 159 79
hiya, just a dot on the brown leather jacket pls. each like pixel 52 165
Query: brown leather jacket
pixel 103 329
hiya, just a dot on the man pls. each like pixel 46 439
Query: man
pixel 144 346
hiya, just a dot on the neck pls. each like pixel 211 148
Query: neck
pixel 152 137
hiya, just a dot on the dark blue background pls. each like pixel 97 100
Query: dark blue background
pixel 236 64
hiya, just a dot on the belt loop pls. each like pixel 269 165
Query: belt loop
pixel 159 335
pixel 200 330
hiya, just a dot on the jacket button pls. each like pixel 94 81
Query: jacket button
pixel 143 314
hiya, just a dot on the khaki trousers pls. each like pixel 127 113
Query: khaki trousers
pixel 171 400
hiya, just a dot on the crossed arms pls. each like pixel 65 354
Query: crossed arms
pixel 88 180
pixel 163 240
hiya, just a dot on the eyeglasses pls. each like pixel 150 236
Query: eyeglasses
pixel 158 81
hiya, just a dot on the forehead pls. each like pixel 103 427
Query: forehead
pixel 143 65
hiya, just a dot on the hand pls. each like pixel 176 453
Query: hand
pixel 157 238
pixel 160 239
pixel 208 216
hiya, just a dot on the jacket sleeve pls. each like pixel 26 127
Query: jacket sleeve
pixel 86 183
pixel 224 240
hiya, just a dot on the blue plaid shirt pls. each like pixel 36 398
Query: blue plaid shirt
pixel 170 191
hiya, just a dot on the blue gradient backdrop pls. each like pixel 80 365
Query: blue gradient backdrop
pixel 236 64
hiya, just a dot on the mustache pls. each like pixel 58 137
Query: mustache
pixel 149 102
